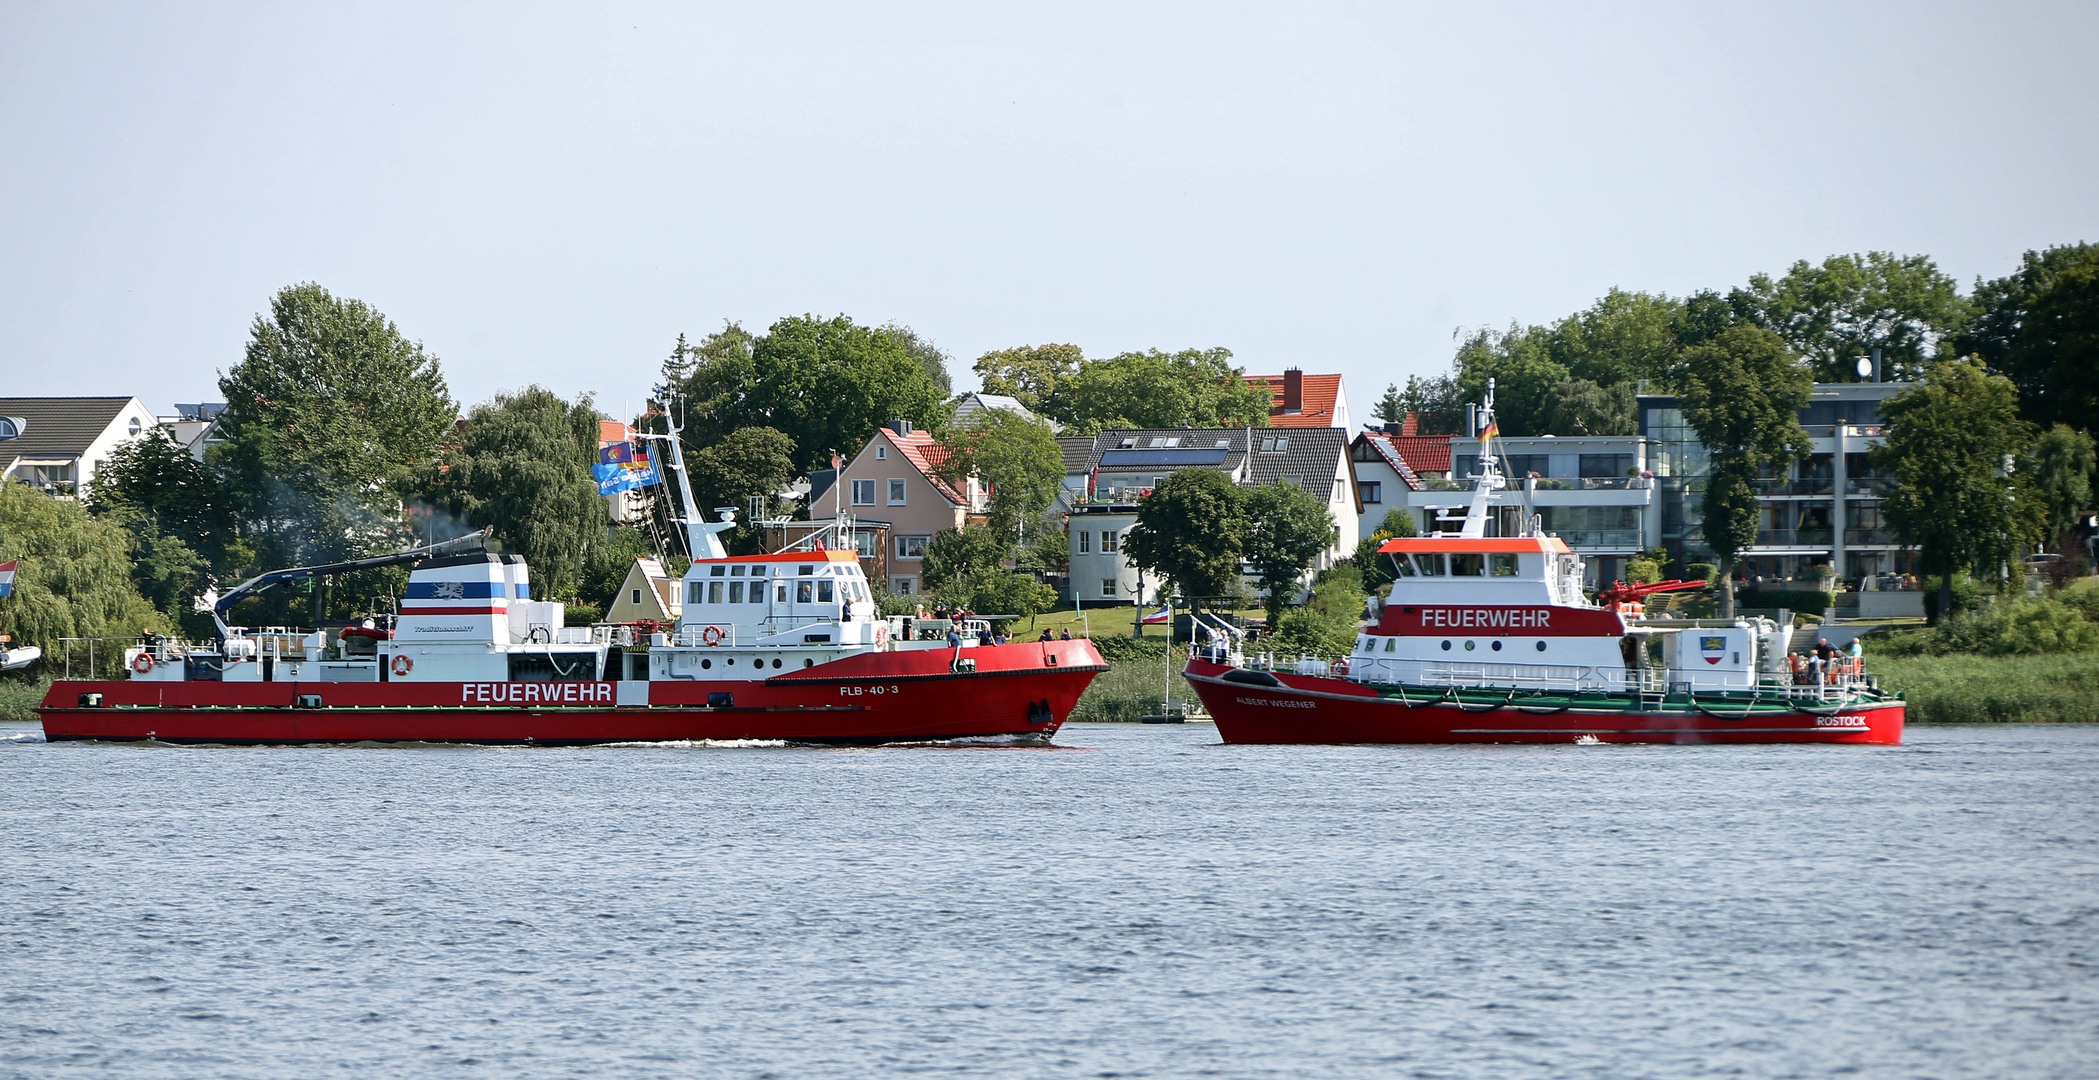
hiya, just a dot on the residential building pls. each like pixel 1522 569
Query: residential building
pixel 64 438
pixel 1302 401
pixel 894 483
pixel 1391 465
pixel 194 427
pixel 1102 492
pixel 1825 509
pixel 972 405
pixel 646 595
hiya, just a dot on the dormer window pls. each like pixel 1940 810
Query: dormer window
pixel 1126 444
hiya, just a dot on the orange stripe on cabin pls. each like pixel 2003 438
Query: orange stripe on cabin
pixel 1482 546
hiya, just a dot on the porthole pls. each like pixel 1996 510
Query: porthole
pixel 1470 645
pixel 1446 646
pixel 1541 646
pixel 706 663
pixel 806 662
pixel 732 660
pixel 1497 646
pixel 776 660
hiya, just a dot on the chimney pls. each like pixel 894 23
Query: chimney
pixel 1411 425
pixel 901 427
pixel 1294 390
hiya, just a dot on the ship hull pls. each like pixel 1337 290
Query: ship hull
pixel 1318 710
pixel 1021 691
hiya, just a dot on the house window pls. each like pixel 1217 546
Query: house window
pixel 136 427
pixel 1111 541
pixel 1373 491
pixel 881 452
pixel 863 493
pixel 900 585
pixel 896 493
pixel 910 547
pixel 1085 542
pixel 634 596
pixel 1108 587
pixel 1274 444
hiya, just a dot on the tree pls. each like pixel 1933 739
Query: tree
pixel 521 470
pixel 1525 376
pixel 329 415
pixel 956 553
pixel 164 484
pixel 1031 374
pixel 1840 311
pixel 2040 327
pixel 1328 623
pixel 750 463
pixel 1581 407
pixel 1437 404
pixel 1190 388
pixel 2062 473
pixel 993 591
pixel 1742 393
pixel 1376 567
pixel 1016 456
pixel 929 357
pixel 1620 339
pixel 1392 407
pixel 75 577
pixel 1190 530
pixel 1288 528
pixel 1948 443
pixel 825 383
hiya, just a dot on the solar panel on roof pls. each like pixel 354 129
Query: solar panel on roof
pixel 1173 457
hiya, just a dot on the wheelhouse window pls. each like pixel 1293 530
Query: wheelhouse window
pixel 1429 565
pixel 1468 565
pixel 1502 565
pixel 863 493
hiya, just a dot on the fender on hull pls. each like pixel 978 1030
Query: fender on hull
pixel 1310 710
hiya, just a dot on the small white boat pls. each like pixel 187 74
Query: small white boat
pixel 19 657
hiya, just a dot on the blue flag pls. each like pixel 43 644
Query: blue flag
pixel 623 467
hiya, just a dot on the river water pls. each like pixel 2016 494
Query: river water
pixel 1137 902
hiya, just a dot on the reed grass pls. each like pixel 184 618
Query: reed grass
pixel 2059 688
pixel 19 696
pixel 1133 688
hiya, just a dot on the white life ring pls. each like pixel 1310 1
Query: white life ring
pixel 712 635
pixel 403 665
pixel 142 663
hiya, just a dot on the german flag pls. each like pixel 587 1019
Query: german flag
pixel 1493 429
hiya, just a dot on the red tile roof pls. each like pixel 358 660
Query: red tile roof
pixel 1320 393
pixel 1421 453
pixel 923 451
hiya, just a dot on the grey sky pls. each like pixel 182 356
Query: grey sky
pixel 552 193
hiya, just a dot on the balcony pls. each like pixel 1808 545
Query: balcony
pixel 1875 486
pixel 1600 538
pixel 1590 483
pixel 1868 537
pixel 1779 485
pixel 1794 537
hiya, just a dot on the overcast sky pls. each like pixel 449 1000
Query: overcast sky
pixel 551 194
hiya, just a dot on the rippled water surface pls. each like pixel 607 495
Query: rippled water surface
pixel 1137 902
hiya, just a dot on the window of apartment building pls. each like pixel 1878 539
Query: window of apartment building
pixel 1602 466
pixel 1111 541
pixel 1522 465
pixel 1373 491
pixel 1085 541
pixel 863 493
pixel 1108 587
pixel 896 493
pixel 911 547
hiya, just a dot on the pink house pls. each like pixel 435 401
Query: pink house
pixel 893 480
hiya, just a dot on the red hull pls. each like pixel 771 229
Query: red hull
pixel 1312 710
pixel 1022 690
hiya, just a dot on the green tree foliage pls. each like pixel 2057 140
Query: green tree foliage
pixel 1948 442
pixel 1742 392
pixel 75 577
pixel 330 414
pixel 1376 568
pixel 1437 404
pixel 2040 327
pixel 1525 375
pixel 1843 309
pixel 1620 339
pixel 929 356
pixel 521 469
pixel 1327 624
pixel 606 566
pixel 1582 407
pixel 2063 459
pixel 1191 388
pixel 1031 373
pixel 749 463
pixel 992 591
pixel 1017 456
pixel 1391 408
pixel 1288 528
pixel 825 383
pixel 956 553
pixel 1045 550
pixel 168 488
pixel 1190 530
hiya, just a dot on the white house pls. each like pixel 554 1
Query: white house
pixel 64 438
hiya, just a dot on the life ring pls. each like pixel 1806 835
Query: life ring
pixel 712 635
pixel 881 634
pixel 142 663
pixel 403 665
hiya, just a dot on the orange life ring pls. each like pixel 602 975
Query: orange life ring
pixel 881 633
pixel 142 663
pixel 403 665
pixel 712 635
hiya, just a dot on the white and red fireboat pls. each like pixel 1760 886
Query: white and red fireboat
pixel 786 646
pixel 1491 639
